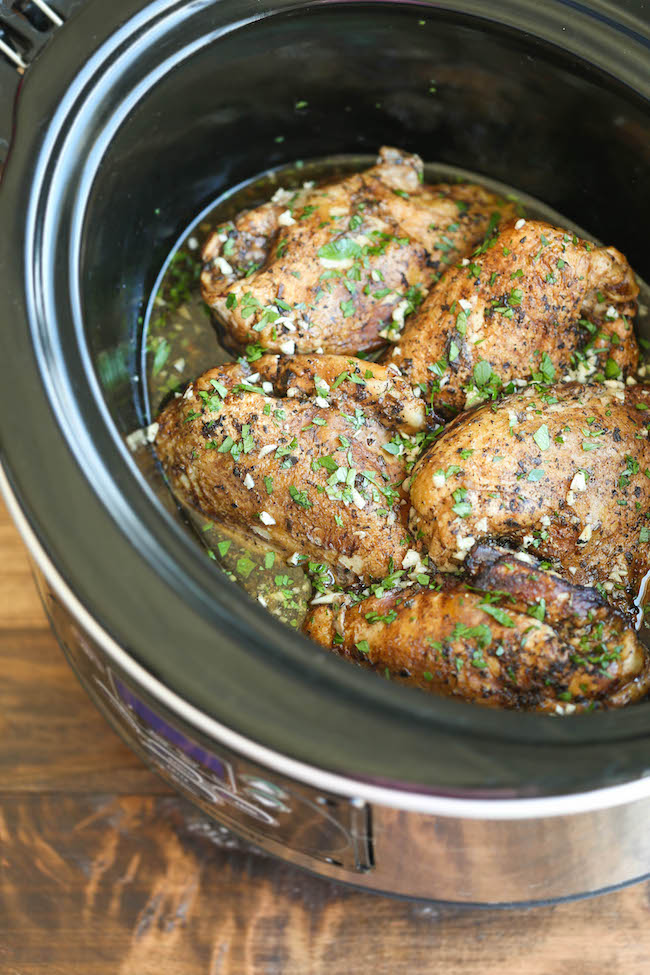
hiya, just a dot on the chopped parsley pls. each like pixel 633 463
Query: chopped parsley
pixel 498 614
pixel 300 497
pixel 342 249
pixel 542 438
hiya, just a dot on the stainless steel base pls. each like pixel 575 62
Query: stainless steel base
pixel 470 851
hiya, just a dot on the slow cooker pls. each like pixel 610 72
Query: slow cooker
pixel 129 119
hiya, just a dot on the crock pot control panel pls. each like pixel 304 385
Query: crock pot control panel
pixel 270 810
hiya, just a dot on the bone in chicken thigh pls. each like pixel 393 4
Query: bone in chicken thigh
pixel 336 268
pixel 306 452
pixel 498 559
pixel 562 470
pixel 528 300
pixel 512 635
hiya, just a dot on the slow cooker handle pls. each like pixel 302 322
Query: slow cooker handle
pixel 25 27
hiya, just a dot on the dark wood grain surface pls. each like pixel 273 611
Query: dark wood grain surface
pixel 103 871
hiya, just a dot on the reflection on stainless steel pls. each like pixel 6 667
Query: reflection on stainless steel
pixel 481 861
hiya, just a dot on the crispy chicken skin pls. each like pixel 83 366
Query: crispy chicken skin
pixel 242 245
pixel 518 637
pixel 296 453
pixel 526 303
pixel 336 266
pixel 532 504
pixel 560 470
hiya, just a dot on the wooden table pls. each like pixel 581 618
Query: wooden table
pixel 103 871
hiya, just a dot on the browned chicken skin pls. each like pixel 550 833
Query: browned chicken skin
pixel 336 268
pixel 523 305
pixel 307 452
pixel 517 637
pixel 532 508
pixel 561 470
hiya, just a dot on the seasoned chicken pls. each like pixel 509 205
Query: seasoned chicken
pixel 518 637
pixel 336 268
pixel 533 301
pixel 562 470
pixel 307 452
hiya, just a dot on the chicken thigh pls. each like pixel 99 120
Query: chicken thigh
pixel 337 268
pixel 563 471
pixel 534 301
pixel 517 637
pixel 308 453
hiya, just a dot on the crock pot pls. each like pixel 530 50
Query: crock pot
pixel 131 120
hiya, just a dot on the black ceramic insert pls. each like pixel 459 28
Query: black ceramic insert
pixel 131 122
